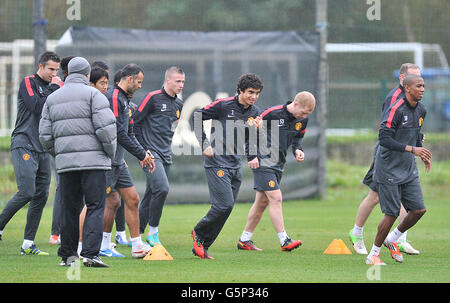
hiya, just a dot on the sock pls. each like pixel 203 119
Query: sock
pixel 136 243
pixel 152 230
pixel 394 235
pixel 122 234
pixel 282 236
pixel 27 244
pixel 80 247
pixel 106 241
pixel 1 232
pixel 357 231
pixel 246 236
pixel 375 251
pixel 402 238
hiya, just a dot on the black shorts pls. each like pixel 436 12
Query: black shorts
pixel 266 179
pixel 408 194
pixel 368 179
pixel 118 177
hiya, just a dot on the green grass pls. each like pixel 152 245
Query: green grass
pixel 315 222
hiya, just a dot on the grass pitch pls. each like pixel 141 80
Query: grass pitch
pixel 315 222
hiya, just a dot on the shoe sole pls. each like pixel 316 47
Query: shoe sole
pixel 194 244
pixel 388 246
pixel 241 247
pixel 97 265
pixel 291 249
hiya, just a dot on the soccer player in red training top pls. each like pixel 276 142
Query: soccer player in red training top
pixel 290 121
pixel 31 162
pixel 222 159
pixel 371 200
pixel 395 170
pixel 154 127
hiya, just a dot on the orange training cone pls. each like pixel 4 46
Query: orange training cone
pixel 158 253
pixel 337 247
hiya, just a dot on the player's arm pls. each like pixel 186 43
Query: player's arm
pixel 104 123
pixel 388 127
pixel 32 100
pixel 45 132
pixel 211 111
pixel 297 148
pixel 138 118
pixel 123 138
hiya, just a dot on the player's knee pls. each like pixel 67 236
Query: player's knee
pixel 276 201
pixel 420 212
pixel 26 194
pixel 163 190
pixel 133 200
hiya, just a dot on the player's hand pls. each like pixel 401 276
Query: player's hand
pixel 423 153
pixel 152 165
pixel 148 162
pixel 56 80
pixel 299 155
pixel 253 164
pixel 427 165
pixel 258 122
pixel 208 152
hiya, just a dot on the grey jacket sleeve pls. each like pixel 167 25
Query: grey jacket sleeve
pixel 45 132
pixel 104 123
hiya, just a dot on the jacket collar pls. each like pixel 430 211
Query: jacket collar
pixel 288 114
pixel 77 78
pixel 169 96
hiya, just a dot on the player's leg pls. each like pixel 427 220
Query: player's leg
pixel 159 183
pixel 256 211
pixel 94 190
pixel 81 225
pixel 222 201
pixel 56 216
pixel 37 204
pixel 131 199
pixel 71 194
pixel 364 211
pixel 254 216
pixel 276 216
pixel 412 198
pixel 390 198
pixel 25 166
pixel 121 236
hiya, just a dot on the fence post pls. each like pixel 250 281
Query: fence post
pixel 321 26
pixel 39 27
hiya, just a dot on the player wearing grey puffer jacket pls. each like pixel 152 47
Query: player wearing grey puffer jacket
pixel 78 128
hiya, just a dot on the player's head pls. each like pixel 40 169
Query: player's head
pixel 249 87
pixel 64 66
pixel 303 105
pixel 408 69
pixel 414 87
pixel 174 80
pixel 117 77
pixel 99 79
pixel 79 65
pixel 100 64
pixel 131 78
pixel 48 65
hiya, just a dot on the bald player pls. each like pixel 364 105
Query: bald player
pixel 288 123
pixel 395 171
